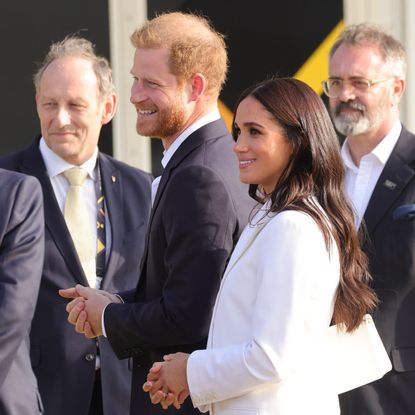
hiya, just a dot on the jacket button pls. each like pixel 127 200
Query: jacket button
pixel 89 357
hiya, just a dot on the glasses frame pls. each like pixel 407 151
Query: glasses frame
pixel 370 83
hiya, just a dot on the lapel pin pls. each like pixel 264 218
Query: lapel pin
pixel 389 184
pixel 114 179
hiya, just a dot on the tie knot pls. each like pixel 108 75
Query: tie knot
pixel 75 176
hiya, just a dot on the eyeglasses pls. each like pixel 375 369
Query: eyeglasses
pixel 333 86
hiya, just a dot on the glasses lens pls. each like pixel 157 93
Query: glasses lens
pixel 361 84
pixel 329 88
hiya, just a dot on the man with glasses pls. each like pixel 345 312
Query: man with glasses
pixel 366 82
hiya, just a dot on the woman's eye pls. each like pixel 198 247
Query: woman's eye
pixel 236 132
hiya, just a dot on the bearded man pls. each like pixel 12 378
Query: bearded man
pixel 199 205
pixel 367 80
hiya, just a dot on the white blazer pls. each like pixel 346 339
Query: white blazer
pixel 272 310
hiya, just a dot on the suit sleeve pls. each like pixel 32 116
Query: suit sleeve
pixel 21 262
pixel 295 284
pixel 199 220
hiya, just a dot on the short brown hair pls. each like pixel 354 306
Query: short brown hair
pixel 365 34
pixel 78 46
pixel 195 47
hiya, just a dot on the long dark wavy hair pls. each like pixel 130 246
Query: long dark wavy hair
pixel 315 172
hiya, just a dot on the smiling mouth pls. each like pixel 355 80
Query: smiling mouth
pixel 63 133
pixel 146 112
pixel 244 163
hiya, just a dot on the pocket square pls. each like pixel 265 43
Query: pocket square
pixel 404 212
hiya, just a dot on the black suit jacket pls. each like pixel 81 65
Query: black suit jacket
pixel 390 245
pixel 64 361
pixel 199 212
pixel 21 260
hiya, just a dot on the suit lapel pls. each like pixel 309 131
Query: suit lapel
pixel 247 237
pixel 196 139
pixel 33 164
pixel 395 176
pixel 212 130
pixel 114 203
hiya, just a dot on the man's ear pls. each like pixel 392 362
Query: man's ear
pixel 110 105
pixel 398 90
pixel 198 86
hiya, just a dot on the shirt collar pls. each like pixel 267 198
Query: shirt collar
pixel 56 165
pixel 382 151
pixel 206 119
pixel 347 158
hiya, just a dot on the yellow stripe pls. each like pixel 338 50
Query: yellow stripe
pixel 315 69
pixel 226 114
pixel 100 246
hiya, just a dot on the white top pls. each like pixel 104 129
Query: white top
pixel 273 308
pixel 168 154
pixel 55 167
pixel 361 181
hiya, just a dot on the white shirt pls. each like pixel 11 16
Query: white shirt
pixel 168 154
pixel 361 181
pixel 55 167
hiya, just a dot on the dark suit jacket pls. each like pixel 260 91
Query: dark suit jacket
pixel 64 361
pixel 199 212
pixel 390 245
pixel 21 260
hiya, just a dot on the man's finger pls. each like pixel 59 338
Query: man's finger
pixel 68 292
pixel 80 322
pixel 70 306
pixel 89 332
pixel 74 313
pixel 85 292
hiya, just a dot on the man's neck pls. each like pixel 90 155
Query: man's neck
pixel 362 144
pixel 196 115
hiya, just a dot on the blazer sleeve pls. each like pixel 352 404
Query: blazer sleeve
pixel 295 284
pixel 199 220
pixel 21 262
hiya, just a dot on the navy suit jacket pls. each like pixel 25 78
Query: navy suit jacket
pixel 63 360
pixel 21 260
pixel 390 246
pixel 199 212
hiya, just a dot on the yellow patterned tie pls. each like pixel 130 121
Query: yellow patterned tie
pixel 77 219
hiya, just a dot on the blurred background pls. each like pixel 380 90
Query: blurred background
pixel 264 38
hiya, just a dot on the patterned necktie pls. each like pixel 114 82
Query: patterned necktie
pixel 77 219
pixel 101 238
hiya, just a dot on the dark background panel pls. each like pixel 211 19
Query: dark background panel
pixel 27 27
pixel 264 37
